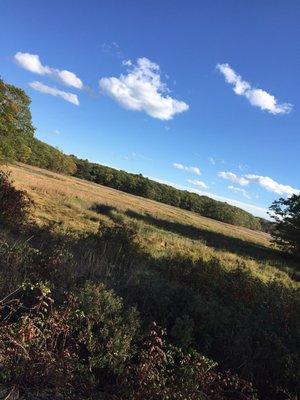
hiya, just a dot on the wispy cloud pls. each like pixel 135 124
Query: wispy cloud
pixel 196 182
pixel 212 160
pixel 141 89
pixel 32 63
pixel 264 181
pixel 240 190
pixel 193 170
pixel 133 156
pixel 233 178
pixel 257 97
pixel 40 87
pixel 112 48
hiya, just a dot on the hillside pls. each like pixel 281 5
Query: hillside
pixel 81 205
pixel 70 200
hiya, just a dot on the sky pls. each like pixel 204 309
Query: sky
pixel 203 95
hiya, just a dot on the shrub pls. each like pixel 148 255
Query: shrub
pixel 166 372
pixel 105 330
pixel 37 350
pixel 14 203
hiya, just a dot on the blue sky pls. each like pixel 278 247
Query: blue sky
pixel 201 94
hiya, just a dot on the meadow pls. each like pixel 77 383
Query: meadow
pixel 81 205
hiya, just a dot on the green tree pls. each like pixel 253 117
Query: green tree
pixel 15 115
pixel 286 232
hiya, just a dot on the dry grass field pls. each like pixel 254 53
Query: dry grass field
pixel 70 200
pixel 164 230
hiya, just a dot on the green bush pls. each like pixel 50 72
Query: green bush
pixel 105 329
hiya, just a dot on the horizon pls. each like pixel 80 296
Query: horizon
pixel 179 93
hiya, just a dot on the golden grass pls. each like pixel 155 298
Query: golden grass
pixel 165 231
pixel 68 200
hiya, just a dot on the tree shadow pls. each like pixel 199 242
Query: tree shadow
pixel 216 240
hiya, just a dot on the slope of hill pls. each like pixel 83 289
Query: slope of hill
pixel 80 205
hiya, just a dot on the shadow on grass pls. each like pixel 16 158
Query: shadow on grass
pixel 103 209
pixel 216 240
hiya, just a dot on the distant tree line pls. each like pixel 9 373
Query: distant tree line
pixel 17 143
pixel 139 185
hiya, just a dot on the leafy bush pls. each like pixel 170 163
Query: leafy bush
pixel 166 372
pixel 14 204
pixel 37 350
pixel 105 329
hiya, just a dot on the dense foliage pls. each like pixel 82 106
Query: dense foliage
pixel 17 143
pixel 286 232
pixel 77 312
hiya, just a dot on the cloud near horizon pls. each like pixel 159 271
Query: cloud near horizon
pixel 193 170
pixel 141 89
pixel 265 182
pixel 40 87
pixel 239 190
pixel 32 63
pixel 233 178
pixel 256 97
pixel 196 182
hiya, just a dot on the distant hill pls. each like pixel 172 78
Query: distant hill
pixel 18 143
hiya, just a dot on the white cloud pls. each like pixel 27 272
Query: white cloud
pixel 32 63
pixel 68 78
pixel 196 182
pixel 193 170
pixel 257 97
pixel 133 156
pixel 234 178
pixel 264 181
pixel 127 63
pixel 239 190
pixel 141 89
pixel 40 87
pixel 271 185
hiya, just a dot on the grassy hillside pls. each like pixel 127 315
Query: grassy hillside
pixel 80 206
